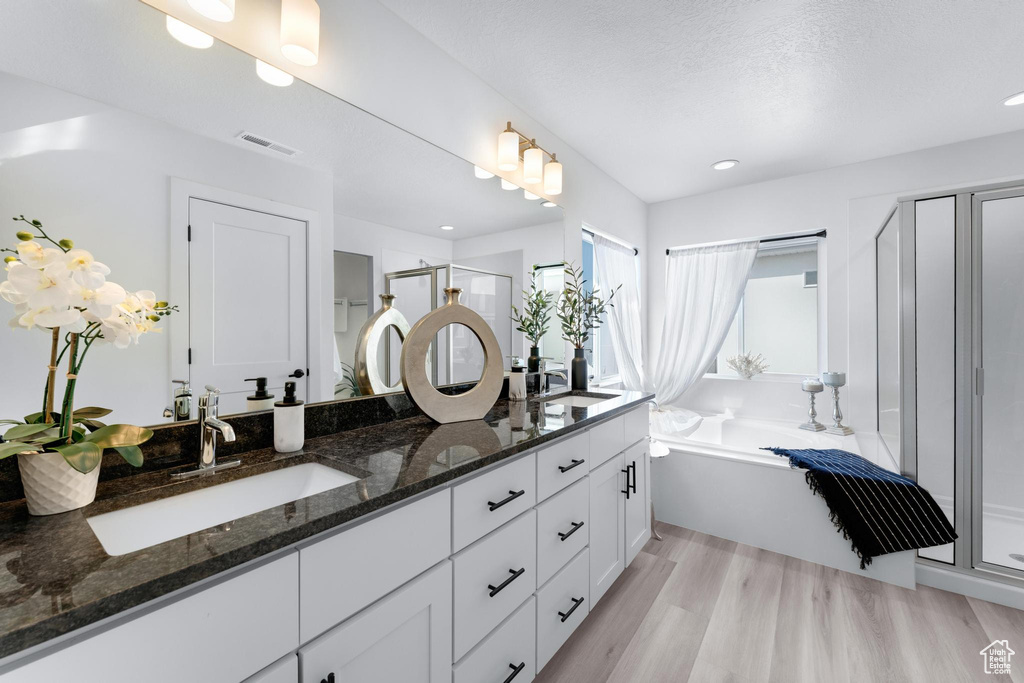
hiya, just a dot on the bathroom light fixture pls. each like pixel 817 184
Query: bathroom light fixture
pixel 300 31
pixel 217 10
pixel 513 145
pixel 1014 100
pixel 508 185
pixel 273 75
pixel 549 205
pixel 447 227
pixel 530 196
pixel 481 173
pixel 188 35
pixel 724 164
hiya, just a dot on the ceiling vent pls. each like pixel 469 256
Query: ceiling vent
pixel 267 144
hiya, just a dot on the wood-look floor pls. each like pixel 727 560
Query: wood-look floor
pixel 702 609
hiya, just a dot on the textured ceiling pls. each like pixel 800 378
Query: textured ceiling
pixel 655 91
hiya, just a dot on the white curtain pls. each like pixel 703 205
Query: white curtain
pixel 703 289
pixel 616 265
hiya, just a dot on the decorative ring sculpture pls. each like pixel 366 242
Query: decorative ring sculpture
pixel 368 372
pixel 443 408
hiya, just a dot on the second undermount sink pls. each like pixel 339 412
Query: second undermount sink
pixel 134 528
pixel 580 401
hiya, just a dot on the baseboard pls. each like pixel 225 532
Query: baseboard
pixel 971 585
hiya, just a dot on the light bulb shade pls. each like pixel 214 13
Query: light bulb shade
pixel 217 10
pixel 481 173
pixel 300 31
pixel 506 185
pixel 552 178
pixel 273 75
pixel 508 151
pixel 530 196
pixel 188 35
pixel 533 165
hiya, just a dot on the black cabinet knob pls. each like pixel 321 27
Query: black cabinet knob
pixel 576 602
pixel 329 679
pixel 515 671
pixel 576 526
pixel 501 586
pixel 512 495
pixel 573 463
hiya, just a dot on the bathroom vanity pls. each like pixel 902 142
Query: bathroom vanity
pixel 467 552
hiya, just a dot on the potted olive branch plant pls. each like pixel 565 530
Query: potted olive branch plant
pixel 64 291
pixel 534 319
pixel 579 310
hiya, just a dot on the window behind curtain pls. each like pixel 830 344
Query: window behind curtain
pixel 600 351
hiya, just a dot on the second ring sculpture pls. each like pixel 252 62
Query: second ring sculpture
pixel 371 335
pixel 445 408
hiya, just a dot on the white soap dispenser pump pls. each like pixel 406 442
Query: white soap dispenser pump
pixel 289 422
pixel 261 399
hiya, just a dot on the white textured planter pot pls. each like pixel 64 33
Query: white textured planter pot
pixel 53 486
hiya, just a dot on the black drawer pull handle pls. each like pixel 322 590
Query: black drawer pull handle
pixel 565 468
pixel 576 526
pixel 501 586
pixel 633 485
pixel 515 671
pixel 512 495
pixel 576 602
pixel 329 679
pixel 626 491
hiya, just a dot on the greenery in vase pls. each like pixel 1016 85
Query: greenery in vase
pixel 63 290
pixel 579 310
pixel 348 382
pixel 533 321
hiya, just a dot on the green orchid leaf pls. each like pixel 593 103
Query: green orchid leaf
pixel 91 413
pixel 38 418
pixel 93 425
pixel 11 422
pixel 13 448
pixel 21 431
pixel 49 436
pixel 83 456
pixel 132 454
pixel 116 436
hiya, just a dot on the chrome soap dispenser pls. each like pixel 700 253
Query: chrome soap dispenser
pixel 289 422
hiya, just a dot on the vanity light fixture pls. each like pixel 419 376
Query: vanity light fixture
pixel 530 196
pixel 300 31
pixel 1014 100
pixel 188 35
pixel 724 164
pixel 513 146
pixel 273 75
pixel 482 174
pixel 216 10
pixel 508 185
pixel 447 227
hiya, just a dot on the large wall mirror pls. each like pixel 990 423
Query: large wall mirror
pixel 272 217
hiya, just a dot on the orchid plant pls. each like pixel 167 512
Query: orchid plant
pixel 63 290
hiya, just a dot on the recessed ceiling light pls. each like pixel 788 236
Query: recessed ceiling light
pixel 188 35
pixel 1014 100
pixel 447 227
pixel 273 75
pixel 481 173
pixel 549 205
pixel 531 196
pixel 218 10
pixel 507 185
pixel 724 164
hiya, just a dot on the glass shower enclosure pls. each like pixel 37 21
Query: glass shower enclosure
pixel 950 331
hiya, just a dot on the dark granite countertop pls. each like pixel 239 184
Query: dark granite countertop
pixel 55 576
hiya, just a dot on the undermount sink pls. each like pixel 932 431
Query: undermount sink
pixel 580 401
pixel 125 531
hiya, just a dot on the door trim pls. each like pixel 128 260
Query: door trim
pixel 319 315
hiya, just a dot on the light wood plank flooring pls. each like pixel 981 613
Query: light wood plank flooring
pixel 702 609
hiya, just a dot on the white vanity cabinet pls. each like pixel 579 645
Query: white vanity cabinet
pixel 607 525
pixel 638 503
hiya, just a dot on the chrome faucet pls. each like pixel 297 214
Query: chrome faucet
pixel 182 402
pixel 209 427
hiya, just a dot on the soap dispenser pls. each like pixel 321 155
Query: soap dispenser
pixel 289 422
pixel 261 400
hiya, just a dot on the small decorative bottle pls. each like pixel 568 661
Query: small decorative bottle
pixel 289 422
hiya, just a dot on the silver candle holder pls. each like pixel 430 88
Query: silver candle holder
pixel 812 387
pixel 834 380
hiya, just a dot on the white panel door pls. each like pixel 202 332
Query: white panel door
pixel 406 637
pixel 607 526
pixel 638 502
pixel 247 301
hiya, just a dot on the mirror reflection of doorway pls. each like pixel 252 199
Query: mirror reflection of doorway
pixel 353 305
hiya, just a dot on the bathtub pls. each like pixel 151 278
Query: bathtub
pixel 716 480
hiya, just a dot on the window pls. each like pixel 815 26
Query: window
pixel 600 354
pixel 550 277
pixel 778 316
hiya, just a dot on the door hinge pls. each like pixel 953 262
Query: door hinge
pixel 190 355
pixel 307 372
pixel 190 233
pixel 979 381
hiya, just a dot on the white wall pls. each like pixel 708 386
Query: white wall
pixel 851 202
pixel 103 179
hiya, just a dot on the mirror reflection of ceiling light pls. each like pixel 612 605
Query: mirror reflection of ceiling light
pixel 1014 100
pixel 447 227
pixel 217 10
pixel 511 143
pixel 506 185
pixel 549 205
pixel 724 164
pixel 530 196
pixel 273 75
pixel 188 35
pixel 300 31
pixel 481 173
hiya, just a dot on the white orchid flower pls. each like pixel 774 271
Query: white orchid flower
pixel 11 294
pixel 40 290
pixel 48 318
pixel 34 255
pixel 84 269
pixel 98 303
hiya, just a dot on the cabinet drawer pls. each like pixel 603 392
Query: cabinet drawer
pixel 510 649
pixel 561 606
pixel 343 574
pixel 638 424
pixel 607 440
pixel 485 503
pixel 492 578
pixel 561 464
pixel 226 632
pixel 563 529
